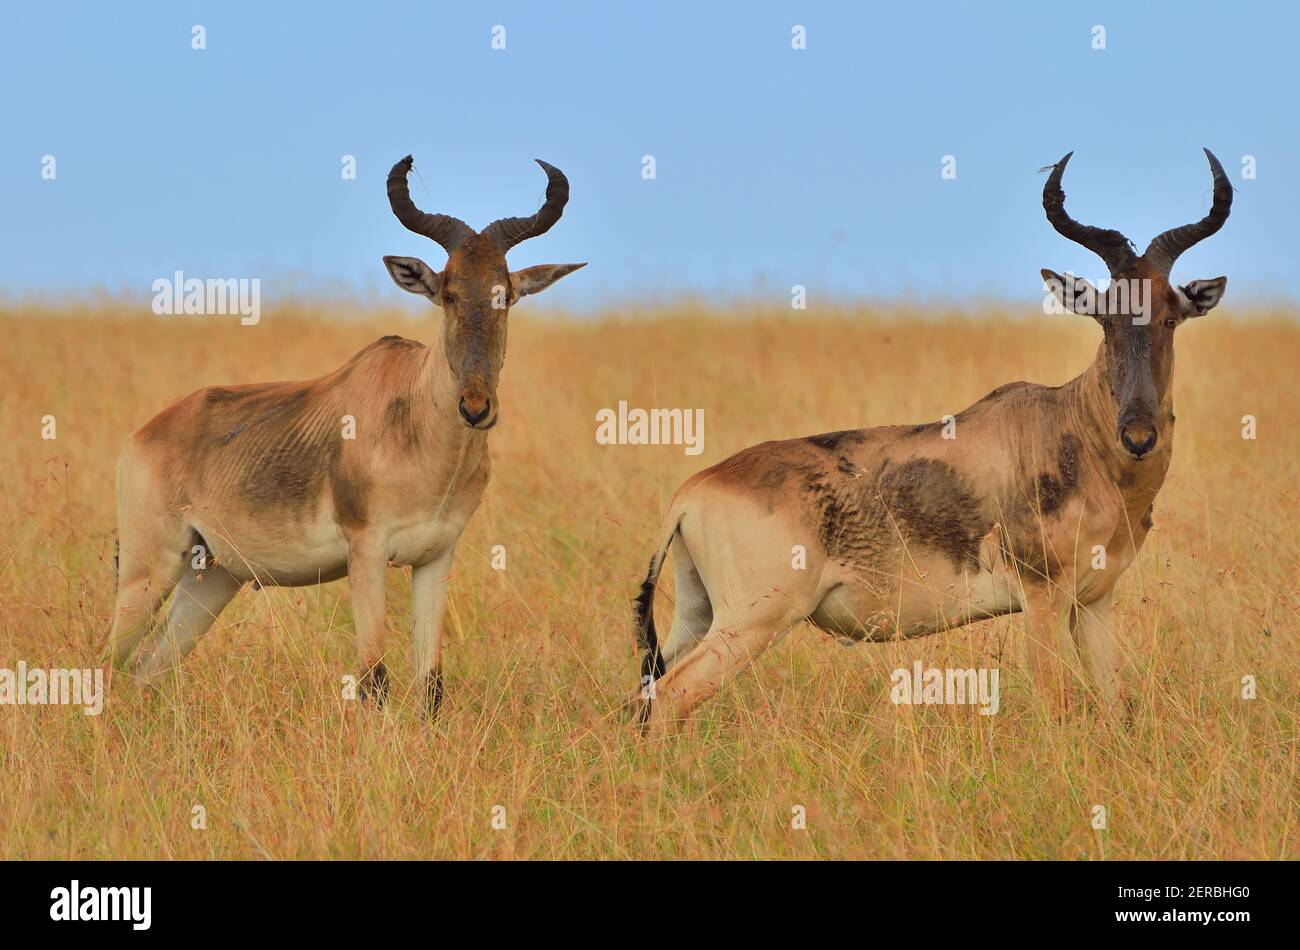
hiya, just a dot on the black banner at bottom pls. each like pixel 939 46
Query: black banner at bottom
pixel 335 899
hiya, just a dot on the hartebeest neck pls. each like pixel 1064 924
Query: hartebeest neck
pixel 1091 403
pixel 434 405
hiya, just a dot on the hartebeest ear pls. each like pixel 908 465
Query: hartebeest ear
pixel 415 277
pixel 535 279
pixel 1201 296
pixel 1074 294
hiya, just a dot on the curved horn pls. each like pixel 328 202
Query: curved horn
pixel 1164 250
pixel 507 232
pixel 446 230
pixel 1111 246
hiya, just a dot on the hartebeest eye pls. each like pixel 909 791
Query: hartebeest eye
pixel 1171 323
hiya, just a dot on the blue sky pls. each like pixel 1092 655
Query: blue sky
pixel 774 166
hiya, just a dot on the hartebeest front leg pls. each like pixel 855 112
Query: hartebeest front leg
pixel 1094 636
pixel 367 568
pixel 428 601
pixel 1044 615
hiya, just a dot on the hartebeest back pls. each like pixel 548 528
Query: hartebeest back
pixel 907 533
pixel 381 462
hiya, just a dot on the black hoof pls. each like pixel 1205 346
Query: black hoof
pixel 374 684
pixel 433 694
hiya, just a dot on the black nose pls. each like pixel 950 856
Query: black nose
pixel 1139 449
pixel 474 418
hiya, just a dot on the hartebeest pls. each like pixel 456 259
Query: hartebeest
pixel 908 533
pixel 381 462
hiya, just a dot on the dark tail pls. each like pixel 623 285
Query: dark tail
pixel 652 661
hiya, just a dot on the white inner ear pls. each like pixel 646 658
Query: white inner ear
pixel 1201 296
pixel 414 276
pixel 1074 294
pixel 1085 296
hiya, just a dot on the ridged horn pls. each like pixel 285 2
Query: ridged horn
pixel 507 232
pixel 444 229
pixel 1164 250
pixel 1111 246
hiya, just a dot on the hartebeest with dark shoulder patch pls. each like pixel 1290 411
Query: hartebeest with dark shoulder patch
pixel 907 533
pixel 262 478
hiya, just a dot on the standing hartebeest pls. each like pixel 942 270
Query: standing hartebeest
pixel 270 485
pixel 907 533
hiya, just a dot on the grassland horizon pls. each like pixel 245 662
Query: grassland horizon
pixel 530 758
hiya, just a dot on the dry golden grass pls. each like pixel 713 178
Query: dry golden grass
pixel 254 728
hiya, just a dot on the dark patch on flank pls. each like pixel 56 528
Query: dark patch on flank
pixel 397 420
pixel 349 503
pixel 1055 490
pixel 285 475
pixel 285 460
pixel 1146 519
pixel 350 488
pixel 278 447
pixel 398 413
pixel 936 507
pixel 924 500
pixel 1044 495
pixel 284 446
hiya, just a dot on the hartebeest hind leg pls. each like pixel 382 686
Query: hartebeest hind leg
pixel 140 593
pixel 199 598
pixel 724 652
pixel 428 600
pixel 693 612
pixel 367 570
pixel 152 558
